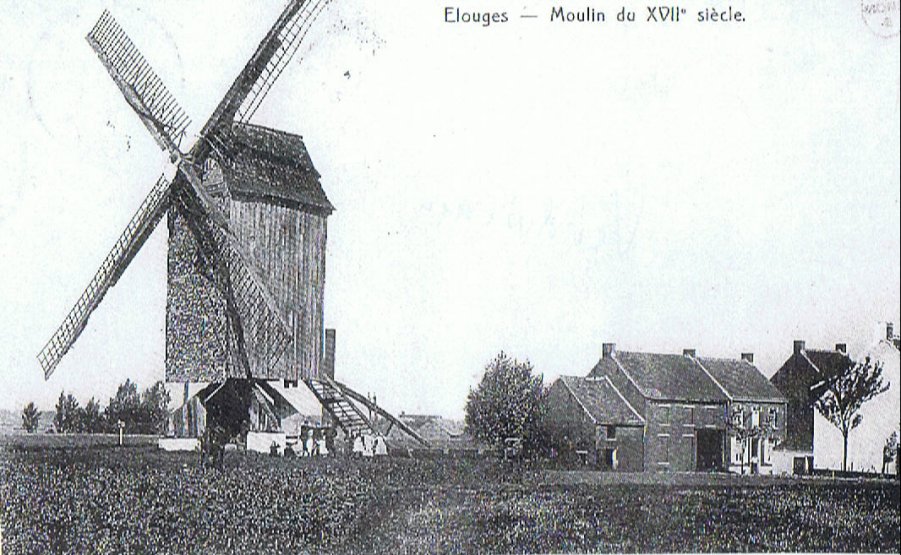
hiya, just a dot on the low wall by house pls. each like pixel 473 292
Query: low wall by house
pixel 261 442
pixel 179 444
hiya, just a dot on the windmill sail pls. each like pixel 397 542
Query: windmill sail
pixel 139 228
pixel 289 39
pixel 270 58
pixel 165 120
pixel 143 89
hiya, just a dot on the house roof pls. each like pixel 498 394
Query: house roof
pixel 602 401
pixel 664 377
pixel 826 361
pixel 742 380
pixel 275 165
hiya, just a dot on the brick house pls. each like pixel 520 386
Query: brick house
pixel 801 379
pixel 590 419
pixel 685 409
pixel 756 409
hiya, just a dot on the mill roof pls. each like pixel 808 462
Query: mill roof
pixel 742 380
pixel 601 400
pixel 663 376
pixel 273 165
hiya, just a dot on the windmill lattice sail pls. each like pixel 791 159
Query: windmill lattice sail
pixel 141 86
pixel 289 39
pixel 139 228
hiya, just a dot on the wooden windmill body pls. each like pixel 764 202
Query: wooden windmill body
pixel 247 235
pixel 270 193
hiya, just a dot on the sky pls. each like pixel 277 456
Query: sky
pixel 535 187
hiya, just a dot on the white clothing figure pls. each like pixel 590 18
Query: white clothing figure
pixel 381 448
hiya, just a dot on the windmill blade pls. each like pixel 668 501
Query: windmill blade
pixel 271 56
pixel 139 228
pixel 290 38
pixel 143 89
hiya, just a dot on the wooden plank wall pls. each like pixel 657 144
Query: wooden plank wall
pixel 288 246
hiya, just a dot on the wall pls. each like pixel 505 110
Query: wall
pixel 793 380
pixel 570 427
pixel 629 445
pixel 772 419
pixel 671 440
pixel 881 416
pixel 197 335
pixel 288 246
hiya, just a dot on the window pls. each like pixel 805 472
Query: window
pixel 755 446
pixel 663 415
pixel 736 450
pixel 767 452
pixel 755 417
pixel 738 418
pixel 774 418
pixel 663 439
pixel 611 432
pixel 689 416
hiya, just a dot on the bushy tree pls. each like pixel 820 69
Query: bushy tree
pixel 66 419
pixel 91 417
pixel 154 409
pixel 30 417
pixel 125 406
pixel 846 390
pixel 508 402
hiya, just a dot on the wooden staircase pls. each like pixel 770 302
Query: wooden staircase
pixel 343 404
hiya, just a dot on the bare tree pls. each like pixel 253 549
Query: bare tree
pixel 846 391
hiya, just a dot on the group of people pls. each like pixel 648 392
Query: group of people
pixel 367 445
pixel 313 442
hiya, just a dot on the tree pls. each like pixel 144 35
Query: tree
pixel 125 406
pixel 30 418
pixel 91 419
pixel 740 425
pixel 66 418
pixel 846 390
pixel 154 409
pixel 507 403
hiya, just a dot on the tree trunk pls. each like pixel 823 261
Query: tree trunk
pixel 845 450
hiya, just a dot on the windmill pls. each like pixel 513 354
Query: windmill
pixel 246 254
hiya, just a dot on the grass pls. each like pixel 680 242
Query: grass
pixel 138 499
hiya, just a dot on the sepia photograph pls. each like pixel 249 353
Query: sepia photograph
pixel 340 277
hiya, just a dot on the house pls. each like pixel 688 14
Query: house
pixel 801 379
pixel 880 415
pixel 590 420
pixel 756 409
pixel 442 433
pixel 686 408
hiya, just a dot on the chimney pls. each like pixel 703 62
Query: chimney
pixel 608 350
pixel 748 357
pixel 889 331
pixel 689 353
pixel 841 347
pixel 328 354
pixel 799 346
